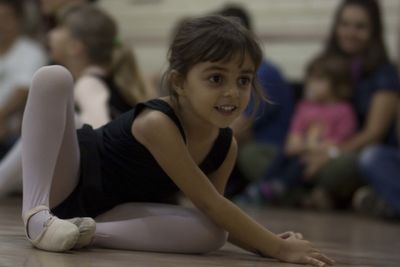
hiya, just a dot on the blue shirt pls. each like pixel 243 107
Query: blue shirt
pixel 272 120
pixel 384 78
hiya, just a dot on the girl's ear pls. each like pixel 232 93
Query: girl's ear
pixel 177 82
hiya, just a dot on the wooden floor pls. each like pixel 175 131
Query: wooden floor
pixel 351 240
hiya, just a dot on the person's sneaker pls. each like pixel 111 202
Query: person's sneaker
pixel 367 201
pixel 260 194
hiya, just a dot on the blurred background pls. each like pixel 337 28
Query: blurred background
pixel 292 31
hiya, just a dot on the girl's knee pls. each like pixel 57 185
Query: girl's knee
pixel 55 78
pixel 210 237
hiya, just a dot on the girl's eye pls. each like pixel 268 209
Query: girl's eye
pixel 217 79
pixel 244 81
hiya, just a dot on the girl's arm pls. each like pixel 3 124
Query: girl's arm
pixel 294 144
pixel 92 98
pixel 171 153
pixel 220 178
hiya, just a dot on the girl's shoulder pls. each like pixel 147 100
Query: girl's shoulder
pixel 155 117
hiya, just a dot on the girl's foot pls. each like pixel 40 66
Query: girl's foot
pixel 87 229
pixel 48 232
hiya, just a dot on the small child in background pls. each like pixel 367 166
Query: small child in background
pixel 322 119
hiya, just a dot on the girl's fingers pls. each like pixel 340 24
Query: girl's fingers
pixel 286 235
pixel 323 258
pixel 291 234
pixel 314 262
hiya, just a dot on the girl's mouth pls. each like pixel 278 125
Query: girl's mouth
pixel 226 109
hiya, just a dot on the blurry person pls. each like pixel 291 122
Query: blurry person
pixel 380 165
pixel 108 79
pixel 20 57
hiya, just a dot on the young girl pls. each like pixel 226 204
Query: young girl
pixel 108 80
pixel 323 119
pixel 181 142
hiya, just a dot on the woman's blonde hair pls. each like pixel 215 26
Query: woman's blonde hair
pixel 98 32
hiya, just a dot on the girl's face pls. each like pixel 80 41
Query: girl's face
pixel 318 89
pixel 60 44
pixel 218 92
pixel 50 7
pixel 353 30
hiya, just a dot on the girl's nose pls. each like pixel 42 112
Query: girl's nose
pixel 232 91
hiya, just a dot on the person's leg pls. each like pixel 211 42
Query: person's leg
pixel 381 167
pixel 50 154
pixel 255 158
pixel 158 228
pixel 11 171
pixel 337 181
pixel 281 178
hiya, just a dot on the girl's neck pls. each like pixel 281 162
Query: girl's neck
pixel 195 128
pixel 82 67
pixel 94 70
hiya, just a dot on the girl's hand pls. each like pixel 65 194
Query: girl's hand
pixel 290 235
pixel 313 162
pixel 296 250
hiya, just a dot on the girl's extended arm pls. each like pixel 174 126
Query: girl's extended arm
pixel 171 153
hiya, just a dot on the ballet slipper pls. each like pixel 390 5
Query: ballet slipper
pixel 57 235
pixel 87 228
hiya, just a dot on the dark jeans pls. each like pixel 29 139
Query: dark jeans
pixel 380 165
pixel 288 170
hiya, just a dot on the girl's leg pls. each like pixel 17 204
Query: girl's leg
pixel 50 154
pixel 158 228
pixel 11 168
pixel 11 171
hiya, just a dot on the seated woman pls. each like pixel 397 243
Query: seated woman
pixel 357 34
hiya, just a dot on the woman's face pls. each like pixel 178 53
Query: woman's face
pixel 353 31
pixel 60 44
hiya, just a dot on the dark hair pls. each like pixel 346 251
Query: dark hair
pixel 211 38
pixel 98 32
pixel 237 11
pixel 16 5
pixel 376 53
pixel 94 28
pixel 336 70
